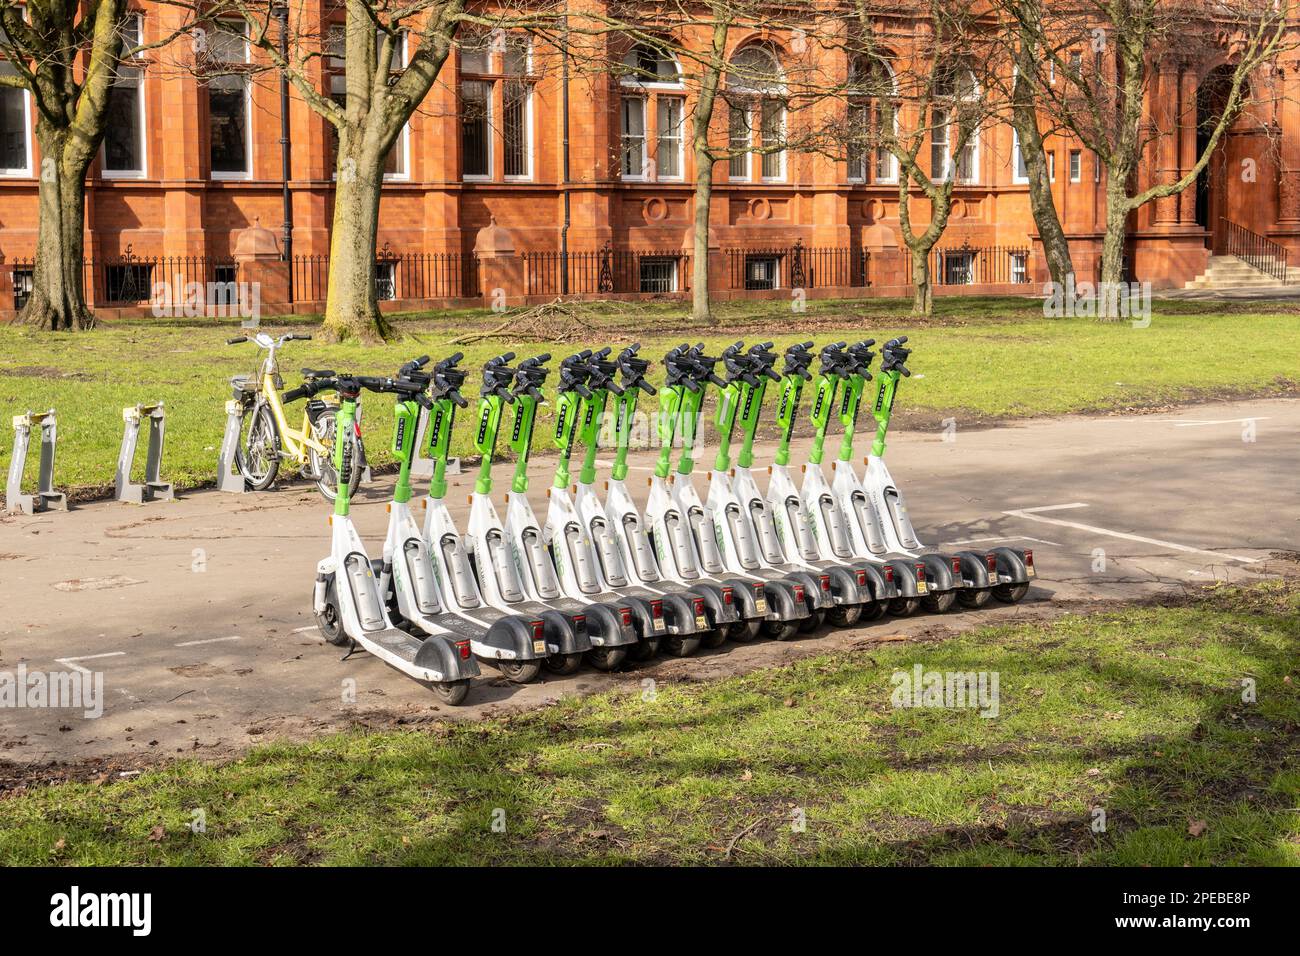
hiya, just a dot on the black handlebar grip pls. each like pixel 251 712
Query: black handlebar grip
pixel 237 340
pixel 544 357
pixel 459 399
pixel 306 336
pixel 455 358
pixel 421 362
pixel 294 394
pixel 647 387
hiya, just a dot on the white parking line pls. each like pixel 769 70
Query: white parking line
pixel 86 657
pixel 1014 537
pixel 1034 514
pixel 211 640
pixel 304 630
pixel 1220 421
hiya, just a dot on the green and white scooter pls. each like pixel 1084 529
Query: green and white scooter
pixel 519 656
pixel 613 622
pixel 621 534
pixel 349 602
pixel 1004 573
pixel 861 588
pixel 588 559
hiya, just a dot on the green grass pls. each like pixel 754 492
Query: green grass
pixel 1138 712
pixel 975 358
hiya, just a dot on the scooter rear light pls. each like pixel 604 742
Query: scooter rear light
pixel 758 591
pixel 956 566
pixel 656 609
pixel 627 616
pixel 727 596
pixel 826 582
pixel 862 578
pixel 798 592
pixel 539 630
pixel 889 572
pixel 699 605
pixel 1029 558
pixel 463 648
pixel 991 562
pixel 579 622
pixel 920 573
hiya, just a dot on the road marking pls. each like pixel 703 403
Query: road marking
pixel 304 630
pixel 210 640
pixel 1221 421
pixel 1033 514
pixel 1014 537
pixel 86 657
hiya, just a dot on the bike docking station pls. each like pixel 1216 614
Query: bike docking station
pixel 229 477
pixel 153 488
pixel 46 498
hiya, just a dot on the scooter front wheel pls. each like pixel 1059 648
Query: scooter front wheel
pixel 1010 593
pixel 781 630
pixel 813 621
pixel 330 620
pixel 520 672
pixel 714 638
pixel 844 615
pixel 939 602
pixel 606 658
pixel 974 597
pixel 564 664
pixel 451 692
pixel 904 606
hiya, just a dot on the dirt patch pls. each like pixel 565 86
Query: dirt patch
pixel 43 371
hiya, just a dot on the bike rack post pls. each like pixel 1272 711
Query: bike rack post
pixel 154 488
pixel 46 498
pixel 229 477
pixel 421 466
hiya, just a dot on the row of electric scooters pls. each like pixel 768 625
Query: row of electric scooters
pixel 604 581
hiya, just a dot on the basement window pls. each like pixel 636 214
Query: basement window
pixel 762 272
pixel 128 283
pixel 659 275
pixel 22 288
pixel 958 268
pixel 385 280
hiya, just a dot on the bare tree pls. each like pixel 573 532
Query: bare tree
pixel 925 81
pixel 1094 77
pixel 65 54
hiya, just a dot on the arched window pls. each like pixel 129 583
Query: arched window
pixel 652 110
pixel 953 111
pixel 874 92
pixel 756 94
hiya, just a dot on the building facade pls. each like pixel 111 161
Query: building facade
pixel 189 165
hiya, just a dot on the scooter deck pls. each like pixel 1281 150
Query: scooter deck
pixel 400 649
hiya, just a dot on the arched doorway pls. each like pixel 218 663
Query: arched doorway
pixel 1212 183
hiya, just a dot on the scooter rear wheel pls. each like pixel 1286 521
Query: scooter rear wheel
pixel 606 658
pixel 904 606
pixel 564 664
pixel 451 692
pixel 781 630
pixel 939 602
pixel 1010 593
pixel 739 631
pixel 813 621
pixel 714 638
pixel 974 597
pixel 873 611
pixel 681 646
pixel 520 672
pixel 845 615
pixel 644 649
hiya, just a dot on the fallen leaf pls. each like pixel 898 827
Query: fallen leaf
pixel 1094 772
pixel 1197 827
pixel 747 775
pixel 157 833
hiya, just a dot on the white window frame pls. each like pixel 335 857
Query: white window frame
pixel 973 144
pixel 26 171
pixel 489 138
pixel 1050 154
pixel 223 175
pixel 626 101
pixel 1019 267
pixel 528 128
pixel 143 171
pixel 746 157
pixel 634 87
pixel 1017 160
pixel 404 137
pixel 761 158
pixel 679 137
pixel 1075 161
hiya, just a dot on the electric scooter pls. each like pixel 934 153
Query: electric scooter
pixel 612 622
pixel 784 536
pixel 1002 572
pixel 347 600
pixel 586 556
pixel 723 537
pixel 623 541
pixel 748 539
pixel 518 642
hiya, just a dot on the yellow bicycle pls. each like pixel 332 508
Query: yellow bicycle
pixel 265 436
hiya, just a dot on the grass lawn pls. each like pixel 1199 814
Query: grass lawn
pixel 1138 712
pixel 977 358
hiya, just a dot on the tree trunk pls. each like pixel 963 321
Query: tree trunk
pixel 700 309
pixel 58 299
pixel 1056 248
pixel 351 307
pixel 1112 244
pixel 922 288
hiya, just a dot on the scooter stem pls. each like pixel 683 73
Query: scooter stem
pixel 728 403
pixel 827 388
pixel 441 419
pixel 787 412
pixel 626 414
pixel 521 439
pixel 406 418
pixel 490 408
pixel 345 425
pixel 688 418
pixel 567 406
pixel 884 407
pixel 751 406
pixel 853 386
pixel 670 412
pixel 593 413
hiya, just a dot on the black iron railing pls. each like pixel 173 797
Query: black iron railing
pixel 126 280
pixel 1255 250
pixel 607 270
pixel 398 275
pixel 979 265
pixel 797 267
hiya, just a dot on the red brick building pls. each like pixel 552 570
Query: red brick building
pixel 188 165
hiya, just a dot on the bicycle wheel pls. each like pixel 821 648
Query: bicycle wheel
pixel 326 427
pixel 258 454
